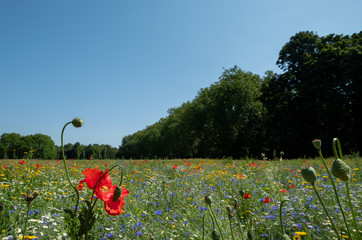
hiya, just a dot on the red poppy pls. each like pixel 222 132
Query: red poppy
pixel 283 191
pixel 21 162
pixel 91 177
pixel 188 164
pixel 114 208
pixel 37 165
pixel 175 167
pixel 247 195
pixel 267 200
pixel 291 186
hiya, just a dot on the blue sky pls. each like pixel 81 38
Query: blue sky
pixel 121 64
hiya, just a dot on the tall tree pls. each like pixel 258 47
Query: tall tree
pixel 317 94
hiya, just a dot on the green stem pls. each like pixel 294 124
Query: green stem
pixel 203 225
pixel 353 214
pixel 334 142
pixel 26 220
pixel 239 222
pixel 231 227
pixel 217 223
pixel 66 169
pixel 325 210
pixel 296 210
pixel 335 189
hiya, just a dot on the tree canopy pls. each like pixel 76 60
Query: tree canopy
pixel 318 95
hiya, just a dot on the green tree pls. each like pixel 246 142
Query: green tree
pixel 225 119
pixel 317 94
pixel 10 144
pixel 44 147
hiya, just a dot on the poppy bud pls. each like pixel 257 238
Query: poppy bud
pixel 241 192
pixel 208 200
pixel 116 194
pixel 317 143
pixel 77 122
pixel 309 174
pixel 341 170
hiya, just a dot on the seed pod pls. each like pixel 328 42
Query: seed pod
pixel 309 174
pixel 341 170
pixel 208 200
pixel 317 143
pixel 116 194
pixel 77 122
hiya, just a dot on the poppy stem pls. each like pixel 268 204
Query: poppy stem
pixel 296 210
pixel 66 169
pixel 203 224
pixel 217 223
pixel 325 210
pixel 333 185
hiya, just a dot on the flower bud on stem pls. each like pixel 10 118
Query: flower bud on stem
pixel 77 122
pixel 335 192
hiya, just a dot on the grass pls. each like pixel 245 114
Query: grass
pixel 166 199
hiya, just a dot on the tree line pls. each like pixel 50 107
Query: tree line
pixel 15 146
pixel 317 95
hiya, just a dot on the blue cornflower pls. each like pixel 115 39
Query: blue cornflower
pixel 110 235
pixel 158 212
pixel 139 233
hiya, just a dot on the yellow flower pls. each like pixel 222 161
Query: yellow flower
pixel 28 237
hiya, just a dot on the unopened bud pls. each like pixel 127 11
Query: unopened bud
pixel 341 170
pixel 77 122
pixel 116 194
pixel 208 200
pixel 309 174
pixel 241 192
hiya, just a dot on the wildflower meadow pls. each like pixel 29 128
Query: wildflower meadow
pixel 181 198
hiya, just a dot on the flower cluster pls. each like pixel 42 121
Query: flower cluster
pixel 110 194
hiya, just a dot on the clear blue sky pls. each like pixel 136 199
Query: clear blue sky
pixel 121 64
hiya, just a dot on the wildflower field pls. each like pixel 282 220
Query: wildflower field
pixel 166 199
